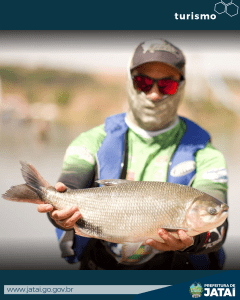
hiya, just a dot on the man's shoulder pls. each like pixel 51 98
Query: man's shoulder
pixel 211 164
pixel 210 153
pixel 86 145
pixel 192 126
pixel 212 174
pixel 92 135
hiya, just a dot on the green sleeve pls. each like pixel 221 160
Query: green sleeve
pixel 80 158
pixel 211 176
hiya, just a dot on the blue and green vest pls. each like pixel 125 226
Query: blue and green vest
pixel 112 153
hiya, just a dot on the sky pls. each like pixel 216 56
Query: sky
pixel 109 51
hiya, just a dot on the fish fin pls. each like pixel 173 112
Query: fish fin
pixel 33 178
pixel 128 249
pixel 79 231
pixel 111 182
pixel 174 229
pixel 22 193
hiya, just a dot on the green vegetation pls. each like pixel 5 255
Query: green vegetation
pixel 80 98
pixel 33 81
pixel 63 97
pixel 44 76
pixel 10 74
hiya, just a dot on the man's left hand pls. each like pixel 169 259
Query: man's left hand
pixel 170 242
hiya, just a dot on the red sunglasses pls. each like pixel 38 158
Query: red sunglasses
pixel 166 86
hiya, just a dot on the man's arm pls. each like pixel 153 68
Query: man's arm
pixel 80 179
pixel 211 178
pixel 77 173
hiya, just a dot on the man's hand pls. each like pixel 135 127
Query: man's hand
pixel 67 217
pixel 170 242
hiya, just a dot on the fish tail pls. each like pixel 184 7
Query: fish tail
pixel 32 191
pixel 33 178
pixel 22 193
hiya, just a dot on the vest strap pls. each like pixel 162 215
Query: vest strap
pixel 110 154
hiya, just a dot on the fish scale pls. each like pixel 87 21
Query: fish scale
pixel 127 212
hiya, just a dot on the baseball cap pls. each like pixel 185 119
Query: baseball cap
pixel 158 51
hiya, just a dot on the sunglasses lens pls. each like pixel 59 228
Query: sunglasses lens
pixel 143 83
pixel 167 86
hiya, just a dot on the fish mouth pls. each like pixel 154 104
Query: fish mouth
pixel 224 207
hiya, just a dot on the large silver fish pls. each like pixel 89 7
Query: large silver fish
pixel 127 212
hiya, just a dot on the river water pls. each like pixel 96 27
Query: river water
pixel 28 239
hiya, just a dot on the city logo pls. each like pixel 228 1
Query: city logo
pixel 196 290
pixel 227 7
pixel 219 290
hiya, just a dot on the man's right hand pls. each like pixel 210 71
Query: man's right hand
pixel 65 218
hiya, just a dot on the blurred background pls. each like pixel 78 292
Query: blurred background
pixel 56 84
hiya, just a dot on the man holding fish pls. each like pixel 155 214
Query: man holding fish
pixel 148 143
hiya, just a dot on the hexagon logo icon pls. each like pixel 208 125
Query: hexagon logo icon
pixel 227 7
pixel 220 8
pixel 227 2
pixel 232 10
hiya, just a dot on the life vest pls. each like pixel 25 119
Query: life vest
pixel 182 170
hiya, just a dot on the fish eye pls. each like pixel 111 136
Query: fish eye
pixel 212 211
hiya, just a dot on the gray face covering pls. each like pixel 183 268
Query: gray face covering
pixel 154 115
pixel 151 115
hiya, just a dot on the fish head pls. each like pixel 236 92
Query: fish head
pixel 206 213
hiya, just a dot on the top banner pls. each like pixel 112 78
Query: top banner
pixel 156 15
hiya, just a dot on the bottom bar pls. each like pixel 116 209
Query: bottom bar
pixel 80 289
